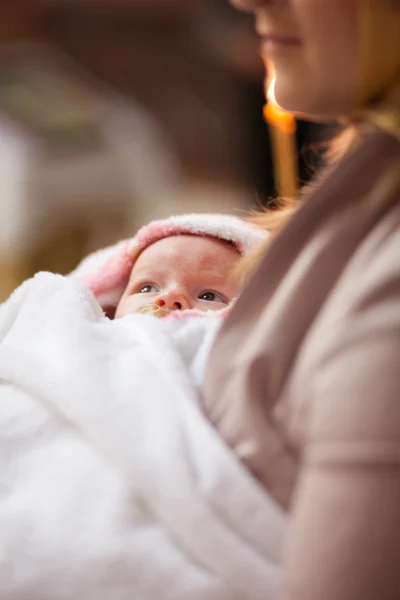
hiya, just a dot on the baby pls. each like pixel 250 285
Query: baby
pixel 184 263
pixel 182 272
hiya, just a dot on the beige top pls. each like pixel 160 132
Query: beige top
pixel 304 380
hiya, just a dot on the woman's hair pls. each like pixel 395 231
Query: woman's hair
pixel 275 219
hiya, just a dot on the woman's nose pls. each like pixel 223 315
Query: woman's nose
pixel 173 300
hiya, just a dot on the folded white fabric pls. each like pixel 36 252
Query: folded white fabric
pixel 106 271
pixel 113 485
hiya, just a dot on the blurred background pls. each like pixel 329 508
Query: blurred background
pixel 114 112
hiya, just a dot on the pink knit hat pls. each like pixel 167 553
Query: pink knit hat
pixel 106 272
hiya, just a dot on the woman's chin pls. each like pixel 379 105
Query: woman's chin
pixel 308 105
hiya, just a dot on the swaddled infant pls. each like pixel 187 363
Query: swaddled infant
pixel 182 269
pixel 108 415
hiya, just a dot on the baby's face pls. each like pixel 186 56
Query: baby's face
pixel 181 273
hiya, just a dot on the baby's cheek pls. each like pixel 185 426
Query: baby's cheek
pixel 119 312
pixel 133 304
pixel 125 307
pixel 205 306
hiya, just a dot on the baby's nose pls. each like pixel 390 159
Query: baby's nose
pixel 173 300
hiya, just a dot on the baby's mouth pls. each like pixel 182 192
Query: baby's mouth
pixel 155 310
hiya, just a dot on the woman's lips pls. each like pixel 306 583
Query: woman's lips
pixel 276 44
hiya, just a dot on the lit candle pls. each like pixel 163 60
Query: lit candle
pixel 282 125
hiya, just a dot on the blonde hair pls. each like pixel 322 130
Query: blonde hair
pixel 273 220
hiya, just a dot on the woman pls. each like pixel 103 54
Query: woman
pixel 310 396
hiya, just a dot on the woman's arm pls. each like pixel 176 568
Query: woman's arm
pixel 344 541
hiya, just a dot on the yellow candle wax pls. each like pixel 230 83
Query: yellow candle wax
pixel 283 138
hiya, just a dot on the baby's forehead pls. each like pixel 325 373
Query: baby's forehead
pixel 198 256
pixel 200 247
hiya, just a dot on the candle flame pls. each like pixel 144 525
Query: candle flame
pixel 271 91
pixel 283 129
pixel 274 114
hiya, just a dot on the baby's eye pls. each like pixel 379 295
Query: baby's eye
pixel 212 297
pixel 147 289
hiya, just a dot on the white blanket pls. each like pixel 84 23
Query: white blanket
pixel 113 486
